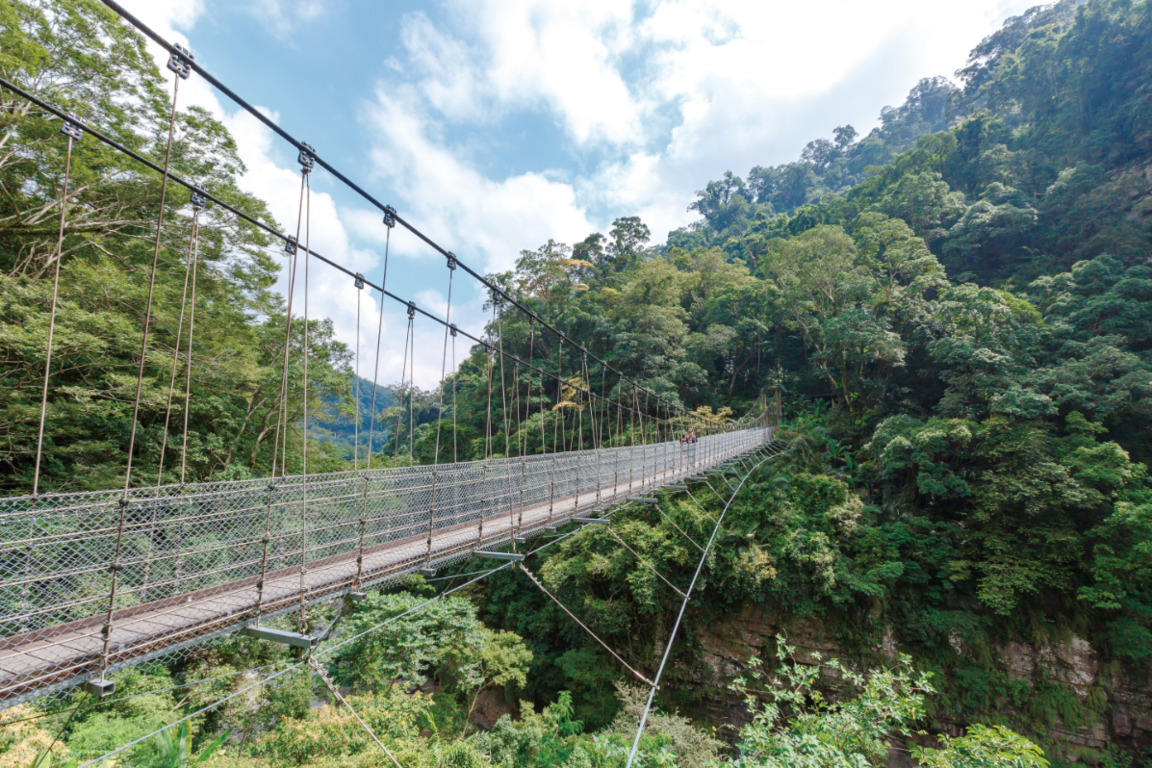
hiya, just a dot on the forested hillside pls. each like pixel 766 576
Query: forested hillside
pixel 958 307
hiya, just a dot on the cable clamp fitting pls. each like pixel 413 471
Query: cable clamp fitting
pixel 199 197
pixel 497 299
pixel 180 61
pixel 451 261
pixel 307 157
pixel 72 130
pixel 452 329
pixel 411 310
pixel 389 216
pixel 359 281
pixel 290 245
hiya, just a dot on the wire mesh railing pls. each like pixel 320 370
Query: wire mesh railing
pixel 199 560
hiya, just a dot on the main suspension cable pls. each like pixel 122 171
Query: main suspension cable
pixel 390 219
pixel 191 65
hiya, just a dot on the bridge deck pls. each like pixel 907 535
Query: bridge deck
pixel 65 653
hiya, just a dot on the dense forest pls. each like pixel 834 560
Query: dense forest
pixel 958 306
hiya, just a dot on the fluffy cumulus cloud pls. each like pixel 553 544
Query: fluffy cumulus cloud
pixel 661 97
pixel 642 103
pixel 490 218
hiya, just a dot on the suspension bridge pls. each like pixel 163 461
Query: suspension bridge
pixel 210 558
pixel 94 582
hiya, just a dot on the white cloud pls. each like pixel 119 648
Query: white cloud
pixel 282 17
pixel 668 98
pixel 331 293
pixel 490 220
pixel 527 54
pixel 653 100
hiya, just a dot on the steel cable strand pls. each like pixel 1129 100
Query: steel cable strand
pixel 592 634
pixel 388 210
pixel 328 683
pixel 403 374
pixel 528 395
pixel 522 438
pixel 645 562
pixel 281 410
pixel 439 416
pixel 455 374
pixel 114 567
pixel 499 319
pixel 487 439
pixel 47 752
pixel 223 205
pixel 668 517
pixel 679 619
pixel 297 665
pixel 303 623
pixel 379 336
pixel 362 521
pixel 358 584
pixel 412 396
pixel 188 364
pixel 189 272
pixel 52 312
pixel 356 386
pixel 71 131
pixel 176 348
pixel 578 441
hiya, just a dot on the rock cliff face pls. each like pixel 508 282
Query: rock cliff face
pixel 1125 719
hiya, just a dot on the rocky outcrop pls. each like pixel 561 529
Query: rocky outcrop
pixel 1124 719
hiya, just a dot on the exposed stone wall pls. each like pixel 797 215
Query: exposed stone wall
pixel 725 647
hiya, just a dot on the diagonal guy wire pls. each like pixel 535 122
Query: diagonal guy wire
pixel 645 562
pixel 679 618
pixel 615 655
pixel 673 522
pixel 320 673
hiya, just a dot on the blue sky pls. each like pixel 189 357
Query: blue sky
pixel 494 125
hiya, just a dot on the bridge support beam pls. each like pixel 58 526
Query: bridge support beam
pixel 293 639
pixel 100 688
pixel 513 556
